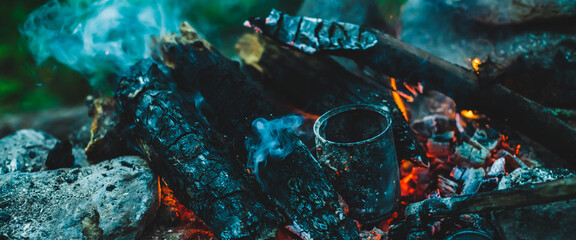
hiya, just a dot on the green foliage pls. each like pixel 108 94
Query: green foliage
pixel 23 85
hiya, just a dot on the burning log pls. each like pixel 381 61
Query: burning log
pixel 530 58
pixel 431 218
pixel 295 181
pixel 524 193
pixel 190 157
pixel 391 56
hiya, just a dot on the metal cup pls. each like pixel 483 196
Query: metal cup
pixel 356 150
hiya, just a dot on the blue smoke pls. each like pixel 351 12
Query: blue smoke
pixel 98 38
pixel 272 140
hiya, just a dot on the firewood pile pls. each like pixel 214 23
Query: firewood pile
pixel 327 128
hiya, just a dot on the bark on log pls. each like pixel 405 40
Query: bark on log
pixel 395 58
pixel 191 158
pixel 297 182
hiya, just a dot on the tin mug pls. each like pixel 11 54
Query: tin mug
pixel 355 147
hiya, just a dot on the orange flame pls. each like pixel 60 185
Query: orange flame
pixel 476 64
pixel 469 114
pixel 307 116
pixel 397 98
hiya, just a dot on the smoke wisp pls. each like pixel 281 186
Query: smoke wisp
pixel 98 38
pixel 272 140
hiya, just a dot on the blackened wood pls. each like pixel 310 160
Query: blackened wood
pixel 192 159
pixel 395 58
pixel 316 84
pixel 525 195
pixel 296 182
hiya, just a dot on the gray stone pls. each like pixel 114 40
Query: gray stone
pixel 26 151
pixel 114 199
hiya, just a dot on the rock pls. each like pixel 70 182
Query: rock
pixel 26 151
pixel 110 200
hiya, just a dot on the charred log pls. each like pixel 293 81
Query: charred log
pixel 297 182
pixel 541 193
pixel 395 58
pixel 192 159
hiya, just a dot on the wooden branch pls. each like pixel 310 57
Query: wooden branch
pixel 529 117
pixel 496 200
pixel 395 58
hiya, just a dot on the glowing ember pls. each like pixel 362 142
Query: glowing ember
pixel 307 116
pixel 475 64
pixel 397 98
pixel 469 114
pixel 167 198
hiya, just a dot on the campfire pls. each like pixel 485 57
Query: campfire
pixel 327 126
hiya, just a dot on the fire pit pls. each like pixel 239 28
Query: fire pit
pixel 331 127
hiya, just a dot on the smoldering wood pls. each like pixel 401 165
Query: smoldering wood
pixel 296 182
pixel 395 58
pixel 192 158
pixel 316 84
pixel 525 194
pixel 530 59
pixel 106 138
pixel 496 200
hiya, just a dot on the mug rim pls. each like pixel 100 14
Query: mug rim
pixel 382 110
